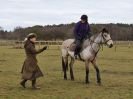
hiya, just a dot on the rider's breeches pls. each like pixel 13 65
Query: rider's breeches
pixel 78 46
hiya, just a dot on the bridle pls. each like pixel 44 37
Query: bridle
pixel 105 41
pixel 99 44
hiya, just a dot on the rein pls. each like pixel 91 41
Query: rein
pixel 95 52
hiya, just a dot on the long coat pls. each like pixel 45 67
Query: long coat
pixel 30 68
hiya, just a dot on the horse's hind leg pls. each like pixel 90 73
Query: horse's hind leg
pixel 65 62
pixel 97 71
pixel 65 67
pixel 87 71
pixel 71 68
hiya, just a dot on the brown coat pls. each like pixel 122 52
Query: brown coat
pixel 30 68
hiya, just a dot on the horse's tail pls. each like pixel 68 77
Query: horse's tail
pixel 64 64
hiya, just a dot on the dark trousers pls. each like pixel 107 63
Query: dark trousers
pixel 78 46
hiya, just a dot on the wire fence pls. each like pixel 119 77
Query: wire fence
pixel 57 44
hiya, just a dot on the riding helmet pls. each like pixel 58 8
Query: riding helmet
pixel 84 17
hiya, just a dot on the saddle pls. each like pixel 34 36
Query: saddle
pixel 72 46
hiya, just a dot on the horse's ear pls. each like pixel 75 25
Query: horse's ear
pixel 104 30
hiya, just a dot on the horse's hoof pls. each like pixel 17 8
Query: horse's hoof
pixel 65 78
pixel 87 82
pixel 72 79
pixel 99 83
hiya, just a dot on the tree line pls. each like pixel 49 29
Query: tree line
pixel 63 31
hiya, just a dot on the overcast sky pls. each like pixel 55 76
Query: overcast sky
pixel 25 13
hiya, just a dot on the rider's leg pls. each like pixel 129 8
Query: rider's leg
pixel 78 48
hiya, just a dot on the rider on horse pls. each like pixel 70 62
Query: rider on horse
pixel 81 32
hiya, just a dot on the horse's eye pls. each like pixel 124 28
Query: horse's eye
pixel 105 35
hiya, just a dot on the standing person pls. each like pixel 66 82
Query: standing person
pixel 30 69
pixel 81 32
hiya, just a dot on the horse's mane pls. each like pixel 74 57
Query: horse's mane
pixel 93 37
pixel 88 41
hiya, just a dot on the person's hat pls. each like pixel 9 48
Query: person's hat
pixel 84 17
pixel 31 35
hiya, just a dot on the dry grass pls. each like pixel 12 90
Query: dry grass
pixel 116 73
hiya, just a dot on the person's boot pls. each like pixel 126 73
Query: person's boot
pixel 22 83
pixel 34 85
pixel 80 58
pixel 76 56
pixel 77 52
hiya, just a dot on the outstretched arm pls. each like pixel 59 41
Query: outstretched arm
pixel 34 51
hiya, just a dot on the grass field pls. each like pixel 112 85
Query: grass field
pixel 116 73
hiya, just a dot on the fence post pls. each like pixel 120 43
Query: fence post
pixel 102 47
pixel 115 46
pixel 129 44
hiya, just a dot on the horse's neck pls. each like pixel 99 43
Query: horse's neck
pixel 86 43
pixel 96 44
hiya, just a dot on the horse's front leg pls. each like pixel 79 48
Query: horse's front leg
pixel 87 71
pixel 97 71
pixel 71 68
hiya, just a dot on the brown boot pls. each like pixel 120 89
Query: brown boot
pixel 34 85
pixel 22 83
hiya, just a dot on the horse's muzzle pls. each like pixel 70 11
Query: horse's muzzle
pixel 111 45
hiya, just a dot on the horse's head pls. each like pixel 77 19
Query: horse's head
pixel 106 38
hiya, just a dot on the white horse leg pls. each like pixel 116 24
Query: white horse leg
pixel 65 62
pixel 97 71
pixel 65 66
pixel 87 71
pixel 71 68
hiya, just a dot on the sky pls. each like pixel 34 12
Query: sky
pixel 24 13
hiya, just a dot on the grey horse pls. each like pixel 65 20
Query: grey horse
pixel 90 49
